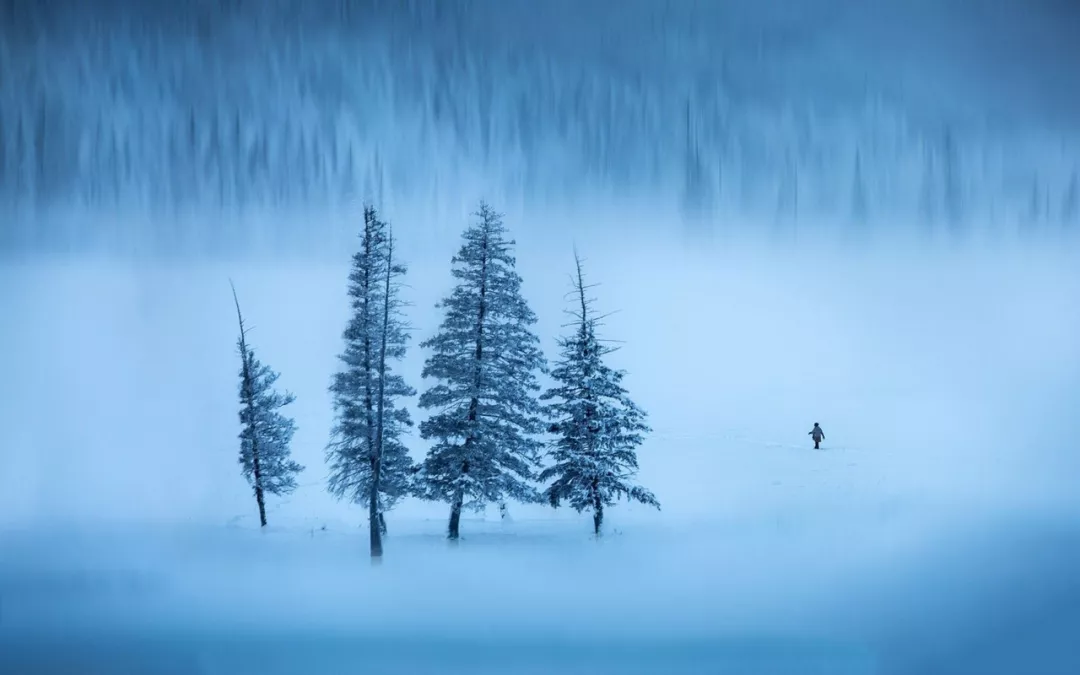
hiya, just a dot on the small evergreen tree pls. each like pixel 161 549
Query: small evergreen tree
pixel 265 432
pixel 597 426
pixel 485 359
pixel 368 462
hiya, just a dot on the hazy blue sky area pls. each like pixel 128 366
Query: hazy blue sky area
pixel 858 213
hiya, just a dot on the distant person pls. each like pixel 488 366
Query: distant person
pixel 818 435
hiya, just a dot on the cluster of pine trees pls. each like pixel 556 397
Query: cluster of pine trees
pixel 489 421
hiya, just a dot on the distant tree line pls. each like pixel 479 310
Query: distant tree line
pixel 166 110
pixel 494 436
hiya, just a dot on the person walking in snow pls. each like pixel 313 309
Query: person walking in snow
pixel 818 435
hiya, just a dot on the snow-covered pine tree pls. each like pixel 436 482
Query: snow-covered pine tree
pixel 597 426
pixel 485 359
pixel 265 433
pixel 368 462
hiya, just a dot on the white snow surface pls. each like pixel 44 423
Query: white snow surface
pixel 937 530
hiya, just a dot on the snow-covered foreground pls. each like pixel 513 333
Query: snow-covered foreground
pixel 938 530
pixel 825 594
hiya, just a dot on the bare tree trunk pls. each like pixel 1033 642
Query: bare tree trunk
pixel 374 525
pixel 455 516
pixel 598 515
pixel 259 499
pixel 598 507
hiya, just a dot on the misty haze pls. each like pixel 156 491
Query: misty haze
pixel 491 337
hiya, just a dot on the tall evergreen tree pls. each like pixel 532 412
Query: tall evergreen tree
pixel 597 426
pixel 265 432
pixel 485 359
pixel 368 461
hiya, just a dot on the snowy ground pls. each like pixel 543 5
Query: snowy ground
pixel 938 529
pixel 824 595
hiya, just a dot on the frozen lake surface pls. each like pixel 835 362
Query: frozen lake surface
pixel 865 595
